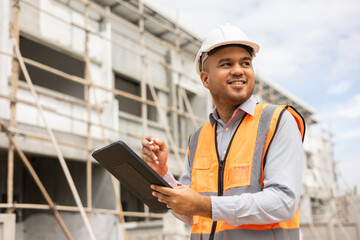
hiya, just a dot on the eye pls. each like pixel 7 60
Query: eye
pixel 246 64
pixel 226 64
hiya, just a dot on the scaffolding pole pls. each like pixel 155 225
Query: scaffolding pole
pixel 14 87
pixel 46 207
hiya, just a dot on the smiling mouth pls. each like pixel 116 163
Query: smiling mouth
pixel 237 83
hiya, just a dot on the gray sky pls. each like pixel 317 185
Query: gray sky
pixel 308 47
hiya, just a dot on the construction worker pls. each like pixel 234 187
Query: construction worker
pixel 243 172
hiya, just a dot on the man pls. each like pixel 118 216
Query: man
pixel 243 171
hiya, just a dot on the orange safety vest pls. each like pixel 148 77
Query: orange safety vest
pixel 240 172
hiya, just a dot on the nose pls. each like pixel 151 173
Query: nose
pixel 237 70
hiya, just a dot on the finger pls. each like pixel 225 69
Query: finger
pixel 148 159
pixel 155 148
pixel 149 153
pixel 148 142
pixel 160 143
pixel 161 197
pixel 149 149
pixel 150 138
pixel 163 190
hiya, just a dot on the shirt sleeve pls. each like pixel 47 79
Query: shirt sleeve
pixel 279 199
pixel 185 180
pixel 170 179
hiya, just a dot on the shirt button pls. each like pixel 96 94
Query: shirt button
pixel 226 129
pixel 224 152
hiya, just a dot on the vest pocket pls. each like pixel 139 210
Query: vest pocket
pixel 239 175
pixel 201 171
pixel 201 225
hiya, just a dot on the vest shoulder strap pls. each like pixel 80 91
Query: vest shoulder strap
pixel 193 139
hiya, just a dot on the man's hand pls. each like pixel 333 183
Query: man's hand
pixel 183 200
pixel 154 153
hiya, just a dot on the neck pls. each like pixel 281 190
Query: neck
pixel 225 112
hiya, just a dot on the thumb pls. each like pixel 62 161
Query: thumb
pixel 161 144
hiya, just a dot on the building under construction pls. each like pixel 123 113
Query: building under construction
pixel 76 75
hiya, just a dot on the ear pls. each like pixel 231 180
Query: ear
pixel 205 78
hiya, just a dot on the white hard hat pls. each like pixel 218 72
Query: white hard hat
pixel 223 35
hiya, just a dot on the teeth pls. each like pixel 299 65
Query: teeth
pixel 238 83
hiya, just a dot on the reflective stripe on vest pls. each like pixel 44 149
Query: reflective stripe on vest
pixel 267 234
pixel 240 172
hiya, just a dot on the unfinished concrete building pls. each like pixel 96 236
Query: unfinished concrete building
pixel 76 75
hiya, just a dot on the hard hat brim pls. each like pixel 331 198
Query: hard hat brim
pixel 253 45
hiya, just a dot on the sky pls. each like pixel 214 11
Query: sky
pixel 309 48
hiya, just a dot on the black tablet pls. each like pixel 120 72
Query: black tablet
pixel 124 164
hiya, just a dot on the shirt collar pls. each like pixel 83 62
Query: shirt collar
pixel 248 107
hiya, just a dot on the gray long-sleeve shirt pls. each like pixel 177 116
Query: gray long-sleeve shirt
pixel 280 197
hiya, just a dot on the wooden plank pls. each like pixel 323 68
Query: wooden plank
pixel 76 209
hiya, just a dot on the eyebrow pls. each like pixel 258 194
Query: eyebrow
pixel 229 59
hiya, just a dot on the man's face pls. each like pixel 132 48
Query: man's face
pixel 228 74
